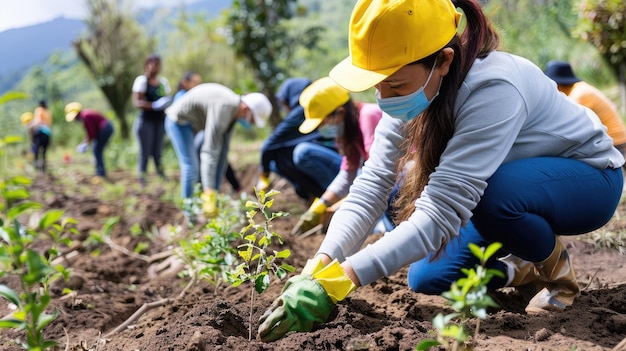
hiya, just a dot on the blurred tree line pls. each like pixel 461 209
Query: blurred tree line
pixel 255 47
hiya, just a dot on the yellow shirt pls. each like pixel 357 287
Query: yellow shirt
pixel 591 97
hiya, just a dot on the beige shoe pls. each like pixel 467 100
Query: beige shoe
pixel 561 285
pixel 522 276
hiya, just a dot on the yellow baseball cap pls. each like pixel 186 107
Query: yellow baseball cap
pixel 26 117
pixel 386 35
pixel 72 110
pixel 320 99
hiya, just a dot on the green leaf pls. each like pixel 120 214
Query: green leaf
pixel 13 95
pixel 476 251
pixel 281 273
pixel 37 268
pixel 17 210
pixel 492 249
pixel 50 218
pixel 426 344
pixel 12 323
pixel 13 139
pixel 10 295
pixel 20 180
pixel 45 319
pixel 262 282
pixel 283 254
pixel 288 268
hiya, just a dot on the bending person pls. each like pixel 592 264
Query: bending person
pixel 329 109
pixel 316 162
pixel 213 108
pixel 489 149
pixel 98 129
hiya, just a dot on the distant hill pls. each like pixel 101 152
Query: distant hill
pixel 23 48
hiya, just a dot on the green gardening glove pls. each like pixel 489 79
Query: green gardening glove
pixel 310 218
pixel 306 300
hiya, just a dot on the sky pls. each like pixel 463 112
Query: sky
pixel 21 13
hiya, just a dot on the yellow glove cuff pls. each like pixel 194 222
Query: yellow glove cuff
pixel 209 195
pixel 209 202
pixel 334 280
pixel 318 206
pixel 313 266
pixel 263 183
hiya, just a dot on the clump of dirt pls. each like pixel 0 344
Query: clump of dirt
pixel 385 315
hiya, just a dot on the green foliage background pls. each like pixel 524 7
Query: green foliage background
pixel 540 30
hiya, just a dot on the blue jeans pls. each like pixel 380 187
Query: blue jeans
pixel 527 202
pixel 318 162
pixel 99 143
pixel 181 136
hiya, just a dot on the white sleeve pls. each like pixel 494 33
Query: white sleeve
pixel 140 84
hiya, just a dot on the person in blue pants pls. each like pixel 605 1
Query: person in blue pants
pixel 489 151
pixel 309 162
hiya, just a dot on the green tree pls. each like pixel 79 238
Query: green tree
pixel 259 33
pixel 113 51
pixel 603 24
pixel 198 45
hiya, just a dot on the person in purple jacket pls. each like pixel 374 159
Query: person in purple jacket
pixel 99 130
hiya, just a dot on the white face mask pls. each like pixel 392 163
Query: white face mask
pixel 407 107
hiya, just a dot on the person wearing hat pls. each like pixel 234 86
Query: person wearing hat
pixel 151 96
pixel 329 109
pixel 213 108
pixel 39 134
pixel 98 128
pixel 589 96
pixel 316 163
pixel 489 151
pixel 188 81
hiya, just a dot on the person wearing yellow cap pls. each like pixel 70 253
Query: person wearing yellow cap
pixel 329 109
pixel 213 108
pixel 489 151
pixel 39 133
pixel 308 161
pixel 98 129
pixel 568 83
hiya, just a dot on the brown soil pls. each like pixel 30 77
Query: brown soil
pixel 385 315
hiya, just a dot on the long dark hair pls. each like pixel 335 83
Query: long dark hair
pixel 427 135
pixel 352 135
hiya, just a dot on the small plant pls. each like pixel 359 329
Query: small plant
pixel 258 265
pixel 212 254
pixel 469 298
pixel 33 269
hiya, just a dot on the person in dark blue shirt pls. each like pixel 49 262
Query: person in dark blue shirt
pixel 277 151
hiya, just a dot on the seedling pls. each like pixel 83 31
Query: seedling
pixel 469 299
pixel 33 269
pixel 259 265
pixel 212 253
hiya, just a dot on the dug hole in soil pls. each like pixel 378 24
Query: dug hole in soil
pixel 385 315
